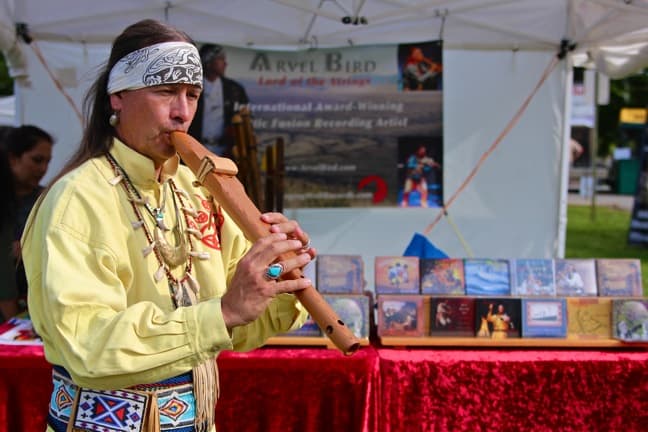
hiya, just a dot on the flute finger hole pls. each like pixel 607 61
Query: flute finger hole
pixel 352 349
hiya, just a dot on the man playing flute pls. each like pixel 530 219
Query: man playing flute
pixel 138 279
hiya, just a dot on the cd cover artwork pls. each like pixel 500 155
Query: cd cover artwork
pixel 589 318
pixel 487 277
pixel 401 315
pixel 397 275
pixel 340 274
pixel 452 316
pixel 497 318
pixel 576 278
pixel 353 310
pixel 630 319
pixel 533 277
pixel 544 318
pixel 442 276
pixel 619 277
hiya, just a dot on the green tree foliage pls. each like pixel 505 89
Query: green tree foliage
pixel 630 92
pixel 6 82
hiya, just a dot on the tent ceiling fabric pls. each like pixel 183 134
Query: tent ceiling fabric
pixel 599 27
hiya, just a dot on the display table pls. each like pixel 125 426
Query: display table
pixel 265 390
pixel 540 390
pixel 381 389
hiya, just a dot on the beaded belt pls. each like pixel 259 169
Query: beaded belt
pixel 121 410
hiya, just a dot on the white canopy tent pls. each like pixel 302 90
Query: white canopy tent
pixel 613 33
pixel 7 114
pixel 494 54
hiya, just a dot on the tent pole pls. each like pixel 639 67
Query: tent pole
pixel 594 146
pixel 568 73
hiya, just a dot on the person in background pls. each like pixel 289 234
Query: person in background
pixel 575 150
pixel 221 98
pixel 29 149
pixel 138 279
pixel 8 290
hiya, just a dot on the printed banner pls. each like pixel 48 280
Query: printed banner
pixel 362 125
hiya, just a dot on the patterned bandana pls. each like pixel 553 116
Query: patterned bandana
pixel 163 63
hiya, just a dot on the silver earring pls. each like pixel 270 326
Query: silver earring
pixel 113 119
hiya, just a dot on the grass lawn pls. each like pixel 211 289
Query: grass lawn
pixel 606 236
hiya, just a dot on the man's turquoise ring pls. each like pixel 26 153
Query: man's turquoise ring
pixel 273 272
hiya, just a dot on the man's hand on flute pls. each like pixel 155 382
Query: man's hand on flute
pixel 256 279
pixel 279 223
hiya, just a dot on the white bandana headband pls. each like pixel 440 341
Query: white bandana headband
pixel 163 63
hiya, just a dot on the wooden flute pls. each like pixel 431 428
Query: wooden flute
pixel 218 175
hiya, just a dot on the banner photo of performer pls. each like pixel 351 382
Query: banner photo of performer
pixel 350 119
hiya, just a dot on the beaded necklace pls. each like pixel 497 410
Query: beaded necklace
pixel 184 290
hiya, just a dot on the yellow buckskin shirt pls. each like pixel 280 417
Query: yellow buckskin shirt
pixel 92 293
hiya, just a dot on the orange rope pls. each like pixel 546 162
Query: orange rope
pixel 56 81
pixel 507 129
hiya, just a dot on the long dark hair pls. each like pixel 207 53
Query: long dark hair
pixel 98 134
pixel 22 139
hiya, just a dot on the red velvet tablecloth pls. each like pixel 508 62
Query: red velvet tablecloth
pixel 317 389
pixel 25 388
pixel 466 390
pixel 270 389
pixel 298 390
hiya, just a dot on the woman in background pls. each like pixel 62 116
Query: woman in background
pixel 29 151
